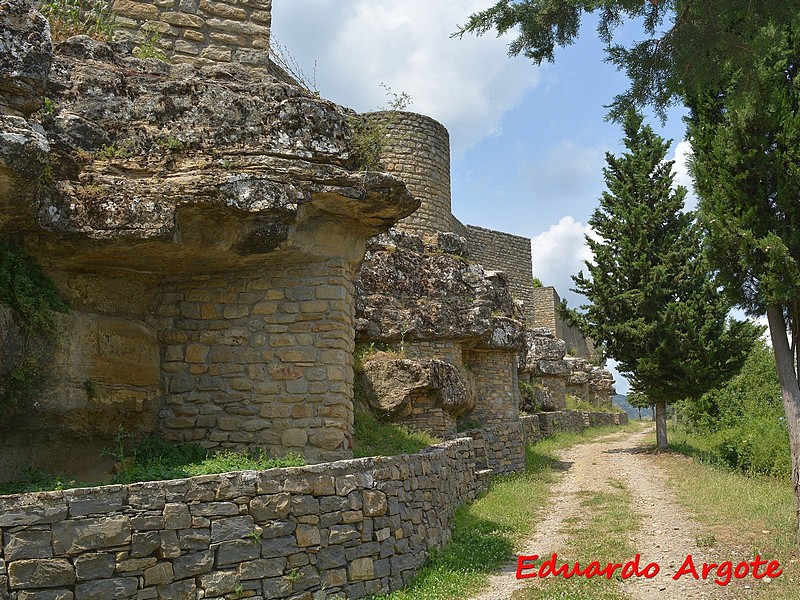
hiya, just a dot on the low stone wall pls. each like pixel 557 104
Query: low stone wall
pixel 551 423
pixel 500 448
pixel 349 528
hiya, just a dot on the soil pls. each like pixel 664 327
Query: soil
pixel 666 536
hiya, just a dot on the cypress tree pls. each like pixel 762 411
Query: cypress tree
pixel 653 302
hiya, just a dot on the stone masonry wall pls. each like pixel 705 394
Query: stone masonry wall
pixel 500 448
pixel 351 528
pixel 545 301
pixel 260 359
pixel 200 32
pixel 508 253
pixel 417 150
pixel 496 389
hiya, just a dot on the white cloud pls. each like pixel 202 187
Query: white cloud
pixel 468 84
pixel 559 253
pixel 683 153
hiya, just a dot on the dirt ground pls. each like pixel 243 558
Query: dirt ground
pixel 667 535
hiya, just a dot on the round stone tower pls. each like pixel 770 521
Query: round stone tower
pixel 417 150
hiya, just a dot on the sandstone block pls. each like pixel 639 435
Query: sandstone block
pixel 237 551
pixel 180 590
pixel 307 535
pixel 219 583
pixel 273 506
pixel 261 569
pixel 361 569
pixel 190 565
pixel 119 588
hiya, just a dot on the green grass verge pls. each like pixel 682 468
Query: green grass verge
pixel 743 513
pixel 486 532
pixel 604 538
pixel 373 438
pixel 153 459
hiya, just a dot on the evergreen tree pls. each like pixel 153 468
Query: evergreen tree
pixel 747 174
pixel 684 47
pixel 653 302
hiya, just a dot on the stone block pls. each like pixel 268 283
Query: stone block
pixel 72 537
pixel 27 544
pixel 232 528
pixel 123 587
pixel 158 574
pixel 42 595
pixel 190 565
pixel 219 583
pixel 94 566
pixel 40 573
pixel 176 516
pixel 180 590
pixel 273 506
pixel 361 569
pixel 237 551
pixel 262 568
pixel 307 535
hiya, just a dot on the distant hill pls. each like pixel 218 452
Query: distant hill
pixel 633 413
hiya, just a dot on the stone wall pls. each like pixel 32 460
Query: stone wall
pixel 417 150
pixel 261 359
pixel 496 390
pixel 554 422
pixel 508 253
pixel 500 448
pixel 351 528
pixel 200 32
pixel 545 302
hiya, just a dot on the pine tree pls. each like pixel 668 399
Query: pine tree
pixel 653 302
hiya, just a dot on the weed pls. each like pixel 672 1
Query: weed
pixel 281 56
pixel 25 288
pixel 149 46
pixel 110 151
pixel 73 17
pixel 293 575
pixel 255 536
pixel 468 424
pixel 172 144
pixel 370 131
pixel 706 540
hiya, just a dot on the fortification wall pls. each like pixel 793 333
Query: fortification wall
pixel 262 358
pixel 417 150
pixel 199 32
pixel 545 303
pixel 509 253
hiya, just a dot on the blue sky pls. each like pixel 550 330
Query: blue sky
pixel 527 143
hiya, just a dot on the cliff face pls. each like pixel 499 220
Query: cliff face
pixel 205 225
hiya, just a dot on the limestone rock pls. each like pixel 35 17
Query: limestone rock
pixel 407 291
pixel 392 384
pixel 26 56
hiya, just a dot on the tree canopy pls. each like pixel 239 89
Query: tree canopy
pixel 687 45
pixel 653 300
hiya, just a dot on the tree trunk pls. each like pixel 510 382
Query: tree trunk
pixel 787 375
pixel 661 424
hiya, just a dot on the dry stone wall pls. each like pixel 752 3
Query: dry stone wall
pixel 345 529
pixel 199 32
pixel 545 302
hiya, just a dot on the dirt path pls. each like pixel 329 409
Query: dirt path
pixel 667 533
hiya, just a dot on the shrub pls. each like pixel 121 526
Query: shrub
pixel 73 17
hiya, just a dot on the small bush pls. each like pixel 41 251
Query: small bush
pixel 78 17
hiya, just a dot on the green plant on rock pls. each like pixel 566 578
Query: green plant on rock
pixel 78 17
pixel 369 131
pixel 27 290
pixel 148 48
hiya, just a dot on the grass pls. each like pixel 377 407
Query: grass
pixel 373 438
pixel 743 514
pixel 602 537
pixel 486 532
pixel 153 459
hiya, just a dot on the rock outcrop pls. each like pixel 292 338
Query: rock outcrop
pixel 454 325
pixel 205 225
